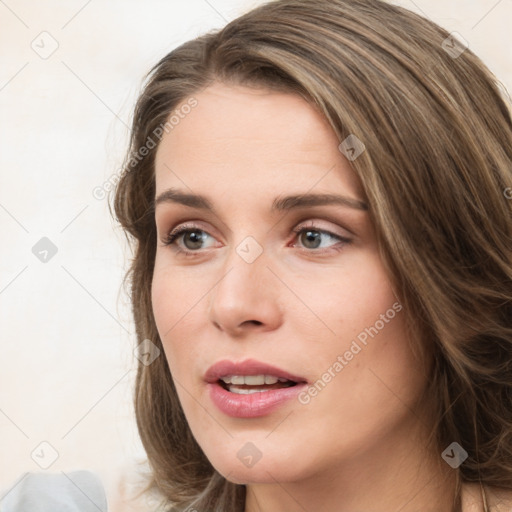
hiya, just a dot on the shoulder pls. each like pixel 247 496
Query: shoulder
pixel 498 500
pixel 44 492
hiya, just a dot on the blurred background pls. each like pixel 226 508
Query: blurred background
pixel 69 76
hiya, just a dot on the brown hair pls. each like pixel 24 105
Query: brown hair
pixel 436 169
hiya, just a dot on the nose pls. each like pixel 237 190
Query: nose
pixel 246 298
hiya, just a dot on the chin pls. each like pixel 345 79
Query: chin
pixel 267 470
pixel 254 476
pixel 247 477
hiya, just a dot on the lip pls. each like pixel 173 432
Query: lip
pixel 254 404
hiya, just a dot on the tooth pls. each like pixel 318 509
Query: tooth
pixel 254 380
pixel 242 391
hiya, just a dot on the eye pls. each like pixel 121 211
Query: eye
pixel 312 237
pixel 191 238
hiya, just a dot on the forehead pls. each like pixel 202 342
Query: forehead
pixel 240 136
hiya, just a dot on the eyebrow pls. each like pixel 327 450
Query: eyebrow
pixel 291 202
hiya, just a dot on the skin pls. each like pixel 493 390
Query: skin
pixel 360 444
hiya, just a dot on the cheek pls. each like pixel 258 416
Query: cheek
pixel 175 304
pixel 366 328
pixel 347 299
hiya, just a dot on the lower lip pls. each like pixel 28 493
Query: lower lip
pixel 254 404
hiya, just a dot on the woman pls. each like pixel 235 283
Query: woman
pixel 317 196
pixel 318 200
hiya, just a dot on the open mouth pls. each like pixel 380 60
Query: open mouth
pixel 247 384
pixel 250 388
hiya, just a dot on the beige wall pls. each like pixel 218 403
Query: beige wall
pixel 66 367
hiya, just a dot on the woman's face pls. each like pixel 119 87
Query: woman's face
pixel 274 279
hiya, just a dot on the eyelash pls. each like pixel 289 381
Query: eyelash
pixel 174 235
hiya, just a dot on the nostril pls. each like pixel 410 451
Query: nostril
pixel 255 322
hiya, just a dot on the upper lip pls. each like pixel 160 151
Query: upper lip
pixel 248 367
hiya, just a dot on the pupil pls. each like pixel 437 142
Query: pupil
pixel 312 236
pixel 195 237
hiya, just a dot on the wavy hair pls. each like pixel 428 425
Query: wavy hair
pixel 437 172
